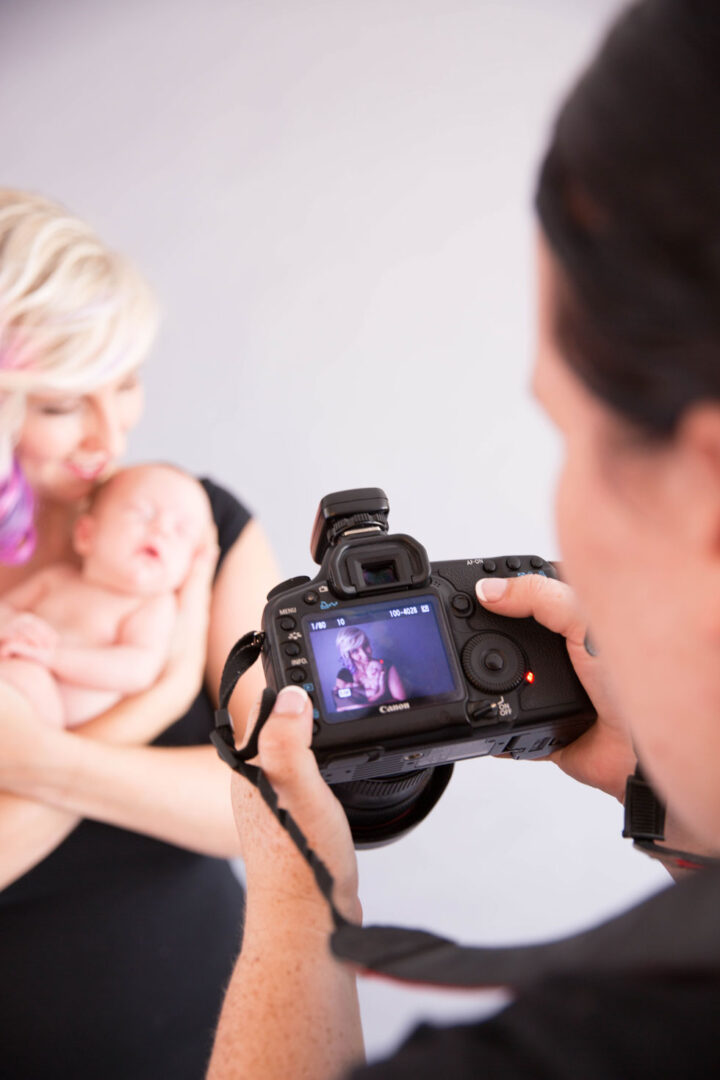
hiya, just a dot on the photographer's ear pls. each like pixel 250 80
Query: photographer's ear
pixel 84 535
pixel 698 442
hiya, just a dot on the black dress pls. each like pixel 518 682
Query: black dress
pixel 115 951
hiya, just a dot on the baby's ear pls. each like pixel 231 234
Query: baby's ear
pixel 84 534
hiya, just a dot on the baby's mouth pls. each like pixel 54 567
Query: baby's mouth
pixel 150 551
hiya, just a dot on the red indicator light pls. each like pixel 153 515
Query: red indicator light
pixel 530 676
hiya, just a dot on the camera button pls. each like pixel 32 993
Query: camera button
pixel 288 623
pixel 291 583
pixel 292 649
pixel 489 565
pixel 310 598
pixel 462 604
pixel 537 563
pixel 297 674
pixel 494 661
pixel 513 563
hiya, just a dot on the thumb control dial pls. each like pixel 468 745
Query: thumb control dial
pixel 493 662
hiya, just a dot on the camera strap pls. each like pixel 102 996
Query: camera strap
pixel 676 932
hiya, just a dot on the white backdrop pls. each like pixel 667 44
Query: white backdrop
pixel 333 201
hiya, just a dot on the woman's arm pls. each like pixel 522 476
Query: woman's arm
pixel 291 1010
pixel 174 794
pixel 28 830
pixel 74 782
pixel 246 576
pixel 395 684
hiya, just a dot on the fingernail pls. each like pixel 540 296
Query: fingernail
pixel 590 647
pixel 291 701
pixel 491 588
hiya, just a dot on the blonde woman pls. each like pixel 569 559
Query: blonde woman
pixel 118 912
pixel 371 681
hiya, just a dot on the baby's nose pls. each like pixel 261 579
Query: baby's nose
pixel 163 522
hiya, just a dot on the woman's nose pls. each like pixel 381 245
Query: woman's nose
pixel 104 431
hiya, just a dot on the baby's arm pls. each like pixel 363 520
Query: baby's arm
pixel 133 662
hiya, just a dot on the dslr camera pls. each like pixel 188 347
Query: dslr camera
pixel 407 673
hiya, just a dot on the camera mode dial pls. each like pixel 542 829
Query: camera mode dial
pixel 494 663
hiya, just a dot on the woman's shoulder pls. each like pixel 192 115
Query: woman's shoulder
pixel 230 514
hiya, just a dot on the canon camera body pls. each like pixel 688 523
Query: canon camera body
pixel 406 671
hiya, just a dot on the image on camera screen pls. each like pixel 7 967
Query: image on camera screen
pixel 374 656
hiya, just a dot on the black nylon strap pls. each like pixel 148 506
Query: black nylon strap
pixel 645 826
pixel 675 932
pixel 644 813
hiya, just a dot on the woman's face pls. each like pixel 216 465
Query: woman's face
pixel 361 654
pixel 631 523
pixel 71 441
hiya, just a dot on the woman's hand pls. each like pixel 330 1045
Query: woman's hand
pixel 603 757
pixel 272 861
pixel 185 668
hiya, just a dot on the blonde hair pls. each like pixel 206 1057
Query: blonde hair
pixel 348 639
pixel 73 314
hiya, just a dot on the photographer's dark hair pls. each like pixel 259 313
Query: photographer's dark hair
pixel 629 201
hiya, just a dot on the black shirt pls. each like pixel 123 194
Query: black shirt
pixel 589 1028
pixel 619 1026
pixel 116 949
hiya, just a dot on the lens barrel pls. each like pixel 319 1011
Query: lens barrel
pixel 383 809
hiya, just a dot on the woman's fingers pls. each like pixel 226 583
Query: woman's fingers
pixel 552 603
pixel 197 585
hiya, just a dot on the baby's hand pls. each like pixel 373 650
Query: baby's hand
pixel 24 650
pixel 29 636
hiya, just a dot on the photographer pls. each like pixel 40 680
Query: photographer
pixel 628 368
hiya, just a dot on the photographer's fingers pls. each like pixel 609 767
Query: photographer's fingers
pixel 285 755
pixel 289 764
pixel 552 603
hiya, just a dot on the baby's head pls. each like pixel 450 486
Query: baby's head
pixel 142 528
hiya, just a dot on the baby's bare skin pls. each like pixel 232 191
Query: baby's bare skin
pixel 76 640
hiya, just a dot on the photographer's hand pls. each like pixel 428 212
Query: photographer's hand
pixel 603 757
pixel 291 1008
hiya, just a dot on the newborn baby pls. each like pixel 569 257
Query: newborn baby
pixel 75 640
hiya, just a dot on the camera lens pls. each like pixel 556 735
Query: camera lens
pixel 382 809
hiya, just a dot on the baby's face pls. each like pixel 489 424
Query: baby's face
pixel 146 530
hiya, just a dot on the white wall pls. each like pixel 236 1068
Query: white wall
pixel 332 198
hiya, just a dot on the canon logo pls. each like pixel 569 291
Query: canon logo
pixel 395 708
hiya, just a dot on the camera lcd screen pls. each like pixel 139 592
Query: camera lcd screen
pixel 375 656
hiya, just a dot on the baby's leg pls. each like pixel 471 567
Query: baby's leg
pixel 38 686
